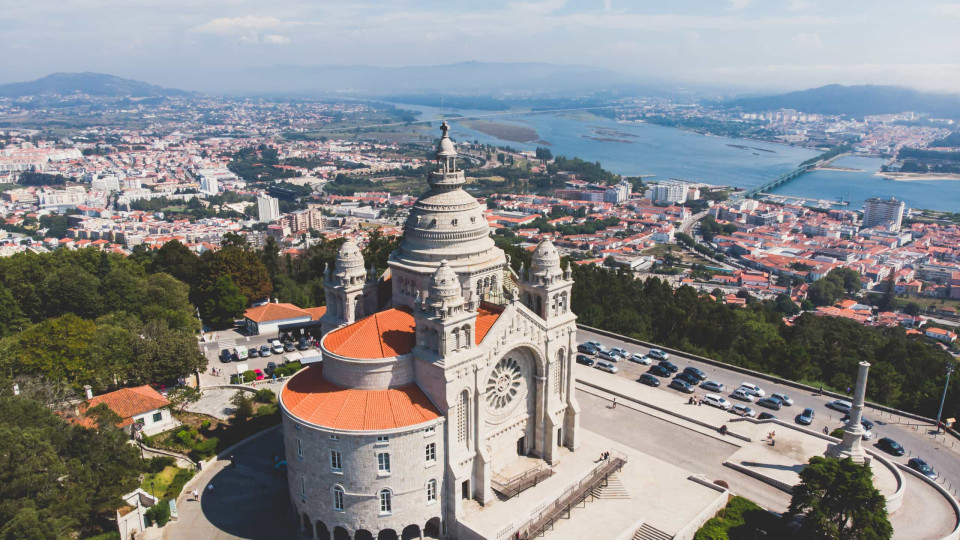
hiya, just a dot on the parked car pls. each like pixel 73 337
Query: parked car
pixel 596 345
pixel 752 389
pixel 743 410
pixel 586 348
pixel 742 395
pixel 640 359
pixel 921 467
pixel 890 446
pixel 303 344
pixel 681 385
pixel 264 351
pixel 649 380
pixel 716 401
pixel 271 367
pixel 785 399
pixel 259 374
pixel 658 354
pixel 620 351
pixel 840 405
pixel 688 378
pixel 660 371
pixel 225 356
pixel 713 386
pixel 253 353
pixel 606 366
pixel 770 403
pixel 289 347
pixel 585 360
pixel 234 357
pixel 700 375
pixel 669 366
pixel 766 416
pixel 867 424
pixel 276 346
pixel 241 353
pixel 608 356
pixel 806 417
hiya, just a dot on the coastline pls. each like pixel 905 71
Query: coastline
pixel 918 177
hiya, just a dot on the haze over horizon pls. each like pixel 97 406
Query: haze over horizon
pixel 734 44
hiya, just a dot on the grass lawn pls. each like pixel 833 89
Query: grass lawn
pixel 660 250
pixel 157 484
pixel 5 187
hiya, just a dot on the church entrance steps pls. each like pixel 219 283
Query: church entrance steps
pixel 510 486
pixel 613 488
pixel 648 532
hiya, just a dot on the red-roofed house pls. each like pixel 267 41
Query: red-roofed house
pixel 141 406
pixel 268 318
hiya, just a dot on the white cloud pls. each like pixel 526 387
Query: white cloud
pixel 226 26
pixel 276 39
pixel 538 8
pixel 798 5
pixel 808 40
pixel 947 9
pixel 739 4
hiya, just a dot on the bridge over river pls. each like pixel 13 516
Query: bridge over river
pixel 822 161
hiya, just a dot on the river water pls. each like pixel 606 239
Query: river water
pixel 645 149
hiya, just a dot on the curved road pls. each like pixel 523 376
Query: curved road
pixel 942 452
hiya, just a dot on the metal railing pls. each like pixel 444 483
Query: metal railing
pixel 513 486
pixel 573 496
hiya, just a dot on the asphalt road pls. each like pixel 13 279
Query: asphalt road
pixel 917 440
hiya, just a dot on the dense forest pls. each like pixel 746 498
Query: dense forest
pixel 907 373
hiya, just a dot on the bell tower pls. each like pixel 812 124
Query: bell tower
pixel 350 290
pixel 544 287
pixel 445 322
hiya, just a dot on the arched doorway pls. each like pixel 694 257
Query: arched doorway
pixel 305 523
pixel 410 532
pixel 323 533
pixel 432 528
pixel 363 534
pixel 387 534
pixel 339 533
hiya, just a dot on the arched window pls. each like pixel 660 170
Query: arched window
pixel 386 502
pixel 558 373
pixel 431 491
pixel 455 333
pixel 463 418
pixel 338 498
pixel 467 335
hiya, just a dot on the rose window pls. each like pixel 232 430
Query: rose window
pixel 505 384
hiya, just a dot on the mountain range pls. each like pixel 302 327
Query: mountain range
pixel 92 84
pixel 836 99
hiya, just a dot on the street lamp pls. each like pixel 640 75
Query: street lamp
pixel 950 368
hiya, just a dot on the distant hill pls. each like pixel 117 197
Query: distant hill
pixel 93 84
pixel 861 100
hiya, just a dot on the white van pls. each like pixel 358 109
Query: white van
pixel 241 353
pixel 276 346
pixel 840 405
pixel 752 389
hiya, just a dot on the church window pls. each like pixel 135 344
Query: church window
pixel 504 384
pixel 431 452
pixel 383 462
pixel 386 505
pixel 463 417
pixel 336 464
pixel 338 498
pixel 432 491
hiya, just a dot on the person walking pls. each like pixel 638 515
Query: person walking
pixel 196 495
pixel 614 402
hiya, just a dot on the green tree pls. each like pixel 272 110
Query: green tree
pixel 224 303
pixel 243 406
pixel 244 269
pixel 840 502
pixel 177 260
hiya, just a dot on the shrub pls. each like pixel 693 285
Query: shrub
pixel 205 449
pixel 158 464
pixel 264 395
pixel 185 438
pixel 235 379
pixel 281 371
pixel 105 536
pixel 294 367
pixel 176 485
pixel 838 433
pixel 205 424
pixel 158 514
pixel 249 375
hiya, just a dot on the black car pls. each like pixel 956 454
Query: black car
pixel 867 424
pixel 699 374
pixel 660 371
pixel 225 356
pixel 689 378
pixel 681 385
pixel 252 352
pixel 649 380
pixel 766 416
pixel 669 366
pixel 234 357
pixel 806 417
pixel 265 351
pixel 289 346
pixel 890 446
pixel 270 367
pixel 770 403
pixel 921 467
pixel 586 349
pixel 585 360
pixel 303 344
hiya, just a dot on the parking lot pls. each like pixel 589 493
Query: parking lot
pixel 232 341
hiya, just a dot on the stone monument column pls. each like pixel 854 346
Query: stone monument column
pixel 850 446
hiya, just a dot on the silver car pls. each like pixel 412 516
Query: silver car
pixel 713 386
pixel 742 395
pixel 743 410
pixel 606 366
pixel 640 359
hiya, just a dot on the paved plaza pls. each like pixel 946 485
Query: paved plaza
pixel 215 402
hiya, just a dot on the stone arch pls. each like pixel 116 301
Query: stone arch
pixel 305 524
pixel 387 534
pixel 455 339
pixel 467 335
pixel 410 532
pixel 322 531
pixel 385 496
pixel 362 534
pixel 432 528
pixel 340 533
pixel 337 493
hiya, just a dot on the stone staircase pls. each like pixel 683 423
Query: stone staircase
pixel 648 532
pixel 613 490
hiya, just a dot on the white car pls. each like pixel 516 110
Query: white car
pixel 785 399
pixel 657 354
pixel 640 359
pixel 606 366
pixel 742 395
pixel 840 405
pixel 743 410
pixel 713 386
pixel 620 351
pixel 716 401
pixel 752 389
pixel 276 346
pixel 596 345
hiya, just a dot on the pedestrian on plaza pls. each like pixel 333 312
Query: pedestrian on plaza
pixel 825 430
pixel 233 462
pixel 699 402
pixel 690 401
pixel 196 495
pixel 821 389
pixel 614 402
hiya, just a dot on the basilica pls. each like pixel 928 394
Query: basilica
pixel 437 377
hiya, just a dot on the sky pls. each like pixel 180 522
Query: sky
pixel 741 44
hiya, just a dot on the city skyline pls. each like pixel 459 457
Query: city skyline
pixel 737 45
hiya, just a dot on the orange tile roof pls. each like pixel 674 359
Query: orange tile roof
pixel 274 312
pixel 486 316
pixel 382 335
pixel 316 312
pixel 129 402
pixel 311 398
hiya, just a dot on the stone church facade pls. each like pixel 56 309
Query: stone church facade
pixel 424 398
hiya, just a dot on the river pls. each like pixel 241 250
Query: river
pixel 645 149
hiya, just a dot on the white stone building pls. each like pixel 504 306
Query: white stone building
pixel 425 399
